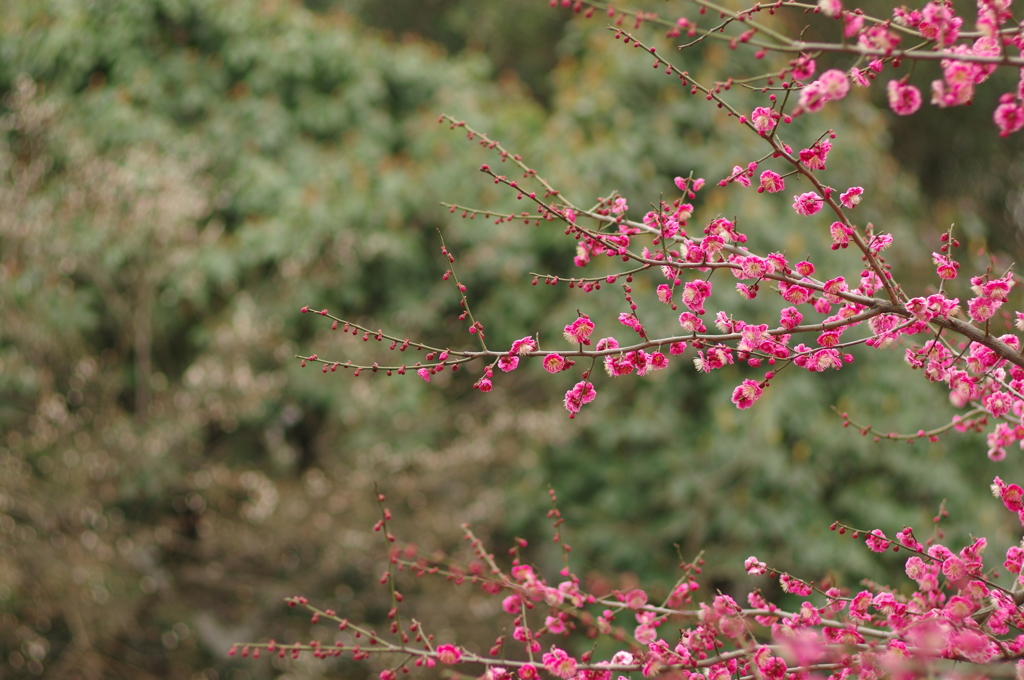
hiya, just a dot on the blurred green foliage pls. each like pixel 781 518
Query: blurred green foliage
pixel 179 177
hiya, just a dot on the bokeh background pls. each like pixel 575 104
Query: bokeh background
pixel 179 177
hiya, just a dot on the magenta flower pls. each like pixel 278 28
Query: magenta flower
pixel 559 663
pixel 904 98
pixel 746 394
pixel 508 363
pixel 523 346
pixel 553 363
pixel 579 331
pixel 851 197
pixel 582 393
pixel 807 204
pixel 763 119
pixel 448 654
pixel 424 373
pixel 877 541
pixel 694 295
pixel 771 182
pixel 754 567
pixel 1009 116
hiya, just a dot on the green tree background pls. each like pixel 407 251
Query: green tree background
pixel 177 178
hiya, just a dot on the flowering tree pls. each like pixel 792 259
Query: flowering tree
pixel 958 612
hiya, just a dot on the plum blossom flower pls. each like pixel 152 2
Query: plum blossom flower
pixel 582 393
pixel 830 8
pixel 803 67
pixel 904 98
pixel 834 84
pixel 1009 117
pixel 771 182
pixel 851 197
pixel 630 321
pixel 754 567
pixel 448 654
pixel 793 585
pixel 813 97
pixel 692 324
pixel 791 318
pixel 553 363
pixel 523 346
pixel 763 119
pixel 945 266
pixel 695 293
pixel 746 394
pixel 559 663
pixel 578 332
pixel 808 203
pixel 840 235
pixel 508 363
pixel 877 541
pixel 424 373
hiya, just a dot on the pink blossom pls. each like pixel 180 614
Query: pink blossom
pixel 523 346
pixel 852 23
pixel 803 67
pixel 664 293
pixel 554 625
pixel 578 332
pixel 511 604
pixel 630 321
pixel 635 599
pixel 448 654
pixel 582 393
pixel 981 309
pixel 763 119
pixel 746 394
pixel 972 645
pixel 791 318
pixel 1009 117
pixel 484 384
pixel 695 293
pixel 794 294
pixel 771 182
pixel 808 203
pixel 508 363
pixel 834 84
pixel 938 23
pixel 528 672
pixel 794 585
pixel 619 206
pixel 851 197
pixel 677 348
pixel 739 175
pixel 878 37
pixel 754 567
pixel 830 8
pixel 553 363
pixel 559 663
pixel 813 97
pixel 858 77
pixel 692 324
pixel 424 373
pixel 840 235
pixel 879 243
pixel 816 156
pixel 904 98
pixel 877 541
pixel 945 267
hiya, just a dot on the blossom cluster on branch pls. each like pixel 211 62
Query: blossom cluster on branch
pixel 956 616
pixel 959 337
